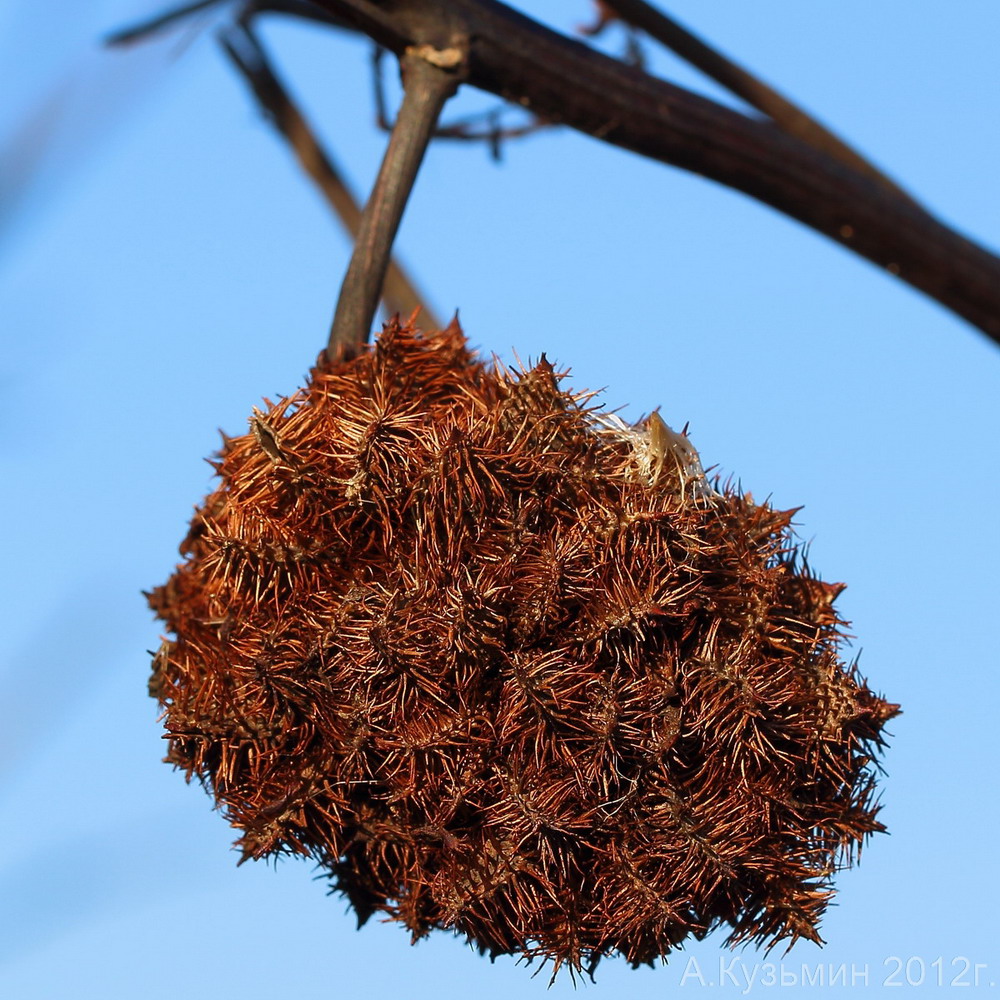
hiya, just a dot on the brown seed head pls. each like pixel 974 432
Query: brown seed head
pixel 504 668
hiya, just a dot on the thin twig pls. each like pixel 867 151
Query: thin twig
pixel 139 31
pixel 786 115
pixel 378 89
pixel 430 77
pixel 249 56
pixel 486 126
pixel 150 26
pixel 481 126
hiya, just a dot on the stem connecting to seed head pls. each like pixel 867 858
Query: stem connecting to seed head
pixel 246 50
pixel 430 77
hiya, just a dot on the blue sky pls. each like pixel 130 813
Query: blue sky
pixel 163 265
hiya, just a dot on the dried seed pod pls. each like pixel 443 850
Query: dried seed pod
pixel 511 668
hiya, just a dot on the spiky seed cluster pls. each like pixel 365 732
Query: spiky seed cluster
pixel 445 630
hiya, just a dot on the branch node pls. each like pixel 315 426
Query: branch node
pixel 450 58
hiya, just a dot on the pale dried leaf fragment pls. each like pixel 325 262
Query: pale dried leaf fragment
pixel 664 441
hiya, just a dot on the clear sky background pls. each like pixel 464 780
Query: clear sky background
pixel 163 265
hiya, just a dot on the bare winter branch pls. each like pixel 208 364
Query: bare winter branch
pixel 563 80
pixel 791 163
pixel 788 116
pixel 250 58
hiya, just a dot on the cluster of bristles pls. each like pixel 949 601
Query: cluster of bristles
pixel 449 633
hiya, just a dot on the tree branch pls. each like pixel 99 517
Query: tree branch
pixel 565 81
pixel 481 126
pixel 248 55
pixel 431 75
pixel 786 115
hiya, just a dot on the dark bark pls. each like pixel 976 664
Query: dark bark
pixel 565 81
pixel 788 116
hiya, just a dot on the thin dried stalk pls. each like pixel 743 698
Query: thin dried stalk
pixel 244 48
pixel 430 77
